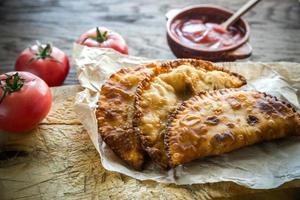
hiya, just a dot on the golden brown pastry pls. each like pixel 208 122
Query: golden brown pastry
pixel 115 113
pixel 158 95
pixel 220 121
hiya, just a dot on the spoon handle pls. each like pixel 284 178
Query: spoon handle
pixel 239 13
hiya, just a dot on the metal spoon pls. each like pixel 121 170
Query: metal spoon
pixel 239 13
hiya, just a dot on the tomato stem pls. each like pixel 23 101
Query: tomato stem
pixel 44 52
pixel 101 36
pixel 12 83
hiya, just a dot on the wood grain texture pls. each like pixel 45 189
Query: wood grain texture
pixel 275 26
pixel 58 161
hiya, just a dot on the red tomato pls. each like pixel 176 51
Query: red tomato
pixel 47 62
pixel 104 38
pixel 25 100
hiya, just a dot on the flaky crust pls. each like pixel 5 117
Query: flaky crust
pixel 216 122
pixel 152 133
pixel 115 114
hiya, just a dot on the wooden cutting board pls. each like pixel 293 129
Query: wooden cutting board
pixel 58 161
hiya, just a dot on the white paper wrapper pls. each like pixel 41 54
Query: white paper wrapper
pixel 261 166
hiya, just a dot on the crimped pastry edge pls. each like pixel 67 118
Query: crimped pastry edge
pixel 165 67
pixel 212 93
pixel 121 72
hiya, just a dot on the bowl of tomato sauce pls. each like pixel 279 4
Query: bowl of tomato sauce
pixel 196 32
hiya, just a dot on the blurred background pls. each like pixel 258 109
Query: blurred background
pixel 275 26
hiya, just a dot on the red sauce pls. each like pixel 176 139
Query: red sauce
pixel 202 33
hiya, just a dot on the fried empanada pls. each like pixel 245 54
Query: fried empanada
pixel 115 114
pixel 158 95
pixel 220 121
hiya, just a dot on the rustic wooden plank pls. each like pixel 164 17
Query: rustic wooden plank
pixel 274 36
pixel 58 161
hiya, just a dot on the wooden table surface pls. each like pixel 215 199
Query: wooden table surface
pixel 275 26
pixel 57 160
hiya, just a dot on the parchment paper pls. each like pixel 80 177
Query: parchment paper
pixel 262 166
